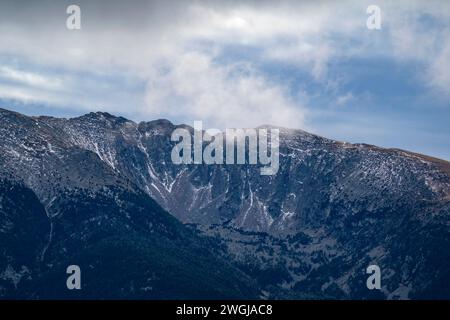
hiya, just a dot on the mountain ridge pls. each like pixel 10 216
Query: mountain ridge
pixel 434 159
pixel 332 208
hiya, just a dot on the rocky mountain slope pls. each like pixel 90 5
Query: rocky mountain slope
pixel 62 205
pixel 332 209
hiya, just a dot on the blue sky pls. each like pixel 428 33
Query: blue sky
pixel 309 65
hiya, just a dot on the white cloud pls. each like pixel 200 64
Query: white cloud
pixel 438 72
pixel 222 96
pixel 154 42
pixel 30 78
pixel 345 99
pixel 30 95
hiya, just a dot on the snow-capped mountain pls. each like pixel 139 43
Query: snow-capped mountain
pixel 311 230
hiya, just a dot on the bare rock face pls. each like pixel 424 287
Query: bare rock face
pixel 311 230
